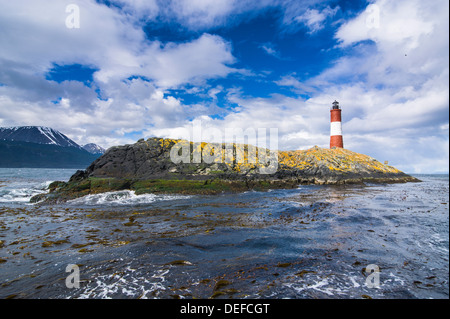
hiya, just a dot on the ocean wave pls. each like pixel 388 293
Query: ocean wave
pixel 22 192
pixel 125 198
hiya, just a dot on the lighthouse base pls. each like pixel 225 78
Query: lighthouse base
pixel 336 141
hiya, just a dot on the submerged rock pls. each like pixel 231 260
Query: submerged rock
pixel 178 166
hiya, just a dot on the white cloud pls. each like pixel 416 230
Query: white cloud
pixel 132 106
pixel 34 33
pixel 295 84
pixel 411 41
pixel 201 13
pixel 202 58
pixel 269 50
pixel 173 64
pixel 314 19
pixel 34 37
pixel 142 9
pixel 390 22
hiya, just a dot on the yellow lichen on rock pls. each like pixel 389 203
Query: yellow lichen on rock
pixel 244 158
pixel 337 159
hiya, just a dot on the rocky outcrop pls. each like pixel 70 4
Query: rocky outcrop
pixel 152 165
pixel 150 159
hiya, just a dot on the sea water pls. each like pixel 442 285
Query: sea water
pixel 309 242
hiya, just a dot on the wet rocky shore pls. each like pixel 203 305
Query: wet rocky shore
pixel 310 242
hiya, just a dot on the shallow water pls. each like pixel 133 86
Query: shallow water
pixel 310 242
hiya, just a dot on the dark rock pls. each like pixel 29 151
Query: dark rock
pixel 78 176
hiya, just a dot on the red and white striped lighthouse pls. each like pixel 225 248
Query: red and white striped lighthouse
pixel 336 126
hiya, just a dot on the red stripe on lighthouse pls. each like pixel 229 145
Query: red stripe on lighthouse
pixel 336 139
pixel 336 115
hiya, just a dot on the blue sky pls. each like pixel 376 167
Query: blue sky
pixel 150 68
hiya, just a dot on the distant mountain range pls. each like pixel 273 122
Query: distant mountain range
pixel 40 146
pixel 94 148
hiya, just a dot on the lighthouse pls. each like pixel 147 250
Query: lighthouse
pixel 336 126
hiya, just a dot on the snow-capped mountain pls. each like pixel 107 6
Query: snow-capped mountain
pixel 94 148
pixel 40 146
pixel 36 134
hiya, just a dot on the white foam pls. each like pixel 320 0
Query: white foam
pixel 125 197
pixel 126 283
pixel 354 282
pixel 19 195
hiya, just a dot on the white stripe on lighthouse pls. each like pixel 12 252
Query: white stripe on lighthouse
pixel 336 128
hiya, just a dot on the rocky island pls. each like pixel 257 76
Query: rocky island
pixel 148 166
